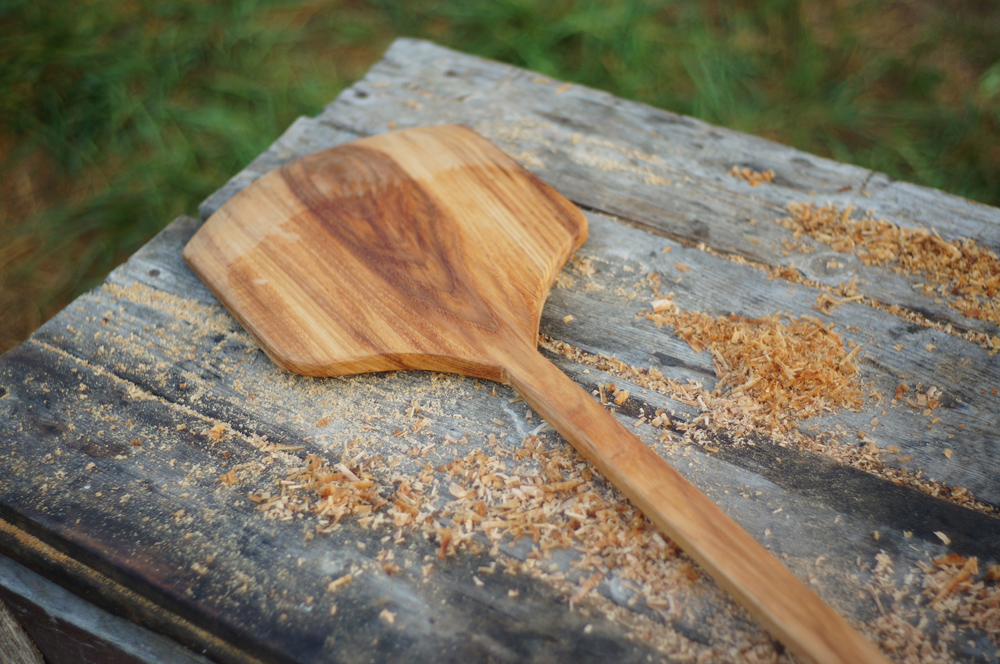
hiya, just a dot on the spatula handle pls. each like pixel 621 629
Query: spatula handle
pixel 737 562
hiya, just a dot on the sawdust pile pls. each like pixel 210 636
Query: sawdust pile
pixel 782 363
pixel 963 271
pixel 751 176
pixel 946 595
pixel 338 490
pixel 739 416
pixel 955 585
pixel 549 498
pixel 487 497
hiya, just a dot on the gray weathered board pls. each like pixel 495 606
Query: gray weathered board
pixel 110 465
pixel 66 628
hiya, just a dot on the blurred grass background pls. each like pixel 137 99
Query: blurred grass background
pixel 118 115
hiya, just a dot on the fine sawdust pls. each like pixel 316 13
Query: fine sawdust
pixel 943 596
pixel 497 497
pixel 751 176
pixel 207 318
pixel 832 296
pixel 956 585
pixel 737 415
pixel 962 271
pixel 784 364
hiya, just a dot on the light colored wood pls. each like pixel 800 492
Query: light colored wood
pixel 15 646
pixel 430 249
pixel 401 251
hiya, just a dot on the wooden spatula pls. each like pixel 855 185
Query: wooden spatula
pixel 431 249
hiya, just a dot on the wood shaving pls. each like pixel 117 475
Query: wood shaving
pixel 751 176
pixel 849 291
pixel 581 265
pixel 962 271
pixel 339 583
pixel 781 363
pixel 739 417
pixel 539 494
pixel 952 594
pixel 956 587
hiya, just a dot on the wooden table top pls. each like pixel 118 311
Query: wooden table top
pixel 156 462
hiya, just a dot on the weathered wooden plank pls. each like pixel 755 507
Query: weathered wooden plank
pixel 69 630
pixel 156 350
pixel 666 171
pixel 478 89
pixel 893 352
pixel 173 474
pixel 304 135
pixel 894 349
pixel 15 646
pixel 179 539
pixel 102 593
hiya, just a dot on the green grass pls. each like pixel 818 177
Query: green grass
pixel 116 116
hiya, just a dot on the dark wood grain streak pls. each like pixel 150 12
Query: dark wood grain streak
pixel 420 259
pixel 330 289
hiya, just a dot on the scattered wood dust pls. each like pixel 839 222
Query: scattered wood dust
pixel 946 594
pixel 848 292
pixel 544 495
pixel 751 176
pixel 781 362
pixel 962 271
pixel 582 265
pixel 211 319
pixel 479 501
pixel 740 417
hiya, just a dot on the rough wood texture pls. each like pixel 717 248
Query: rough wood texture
pixel 430 249
pixel 15 646
pixel 193 557
pixel 70 630
pixel 657 168
pixel 735 560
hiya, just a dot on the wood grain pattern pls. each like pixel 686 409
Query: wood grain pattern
pixel 559 134
pixel 429 249
pixel 670 175
pixel 15 646
pixel 368 257
pixel 662 170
